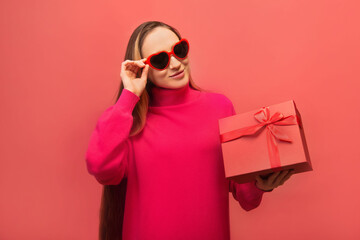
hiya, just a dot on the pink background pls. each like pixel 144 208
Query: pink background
pixel 60 64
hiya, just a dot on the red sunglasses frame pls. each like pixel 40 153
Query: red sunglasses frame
pixel 169 54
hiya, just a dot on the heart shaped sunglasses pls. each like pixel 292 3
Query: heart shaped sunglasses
pixel 160 60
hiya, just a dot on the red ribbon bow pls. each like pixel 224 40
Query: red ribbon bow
pixel 264 118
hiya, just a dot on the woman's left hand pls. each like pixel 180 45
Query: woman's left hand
pixel 274 180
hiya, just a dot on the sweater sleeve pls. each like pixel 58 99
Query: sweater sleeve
pixel 247 194
pixel 109 145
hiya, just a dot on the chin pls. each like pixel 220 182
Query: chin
pixel 179 83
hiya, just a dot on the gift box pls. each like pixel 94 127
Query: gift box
pixel 264 141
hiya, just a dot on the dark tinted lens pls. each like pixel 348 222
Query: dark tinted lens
pixel 181 49
pixel 160 60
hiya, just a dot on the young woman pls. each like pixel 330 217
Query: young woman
pixel 157 149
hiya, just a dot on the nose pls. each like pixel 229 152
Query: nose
pixel 174 62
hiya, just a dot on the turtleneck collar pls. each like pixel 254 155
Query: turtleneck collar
pixel 162 97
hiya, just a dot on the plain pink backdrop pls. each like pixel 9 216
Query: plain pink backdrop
pixel 60 64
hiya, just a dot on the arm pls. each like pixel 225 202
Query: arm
pixel 109 146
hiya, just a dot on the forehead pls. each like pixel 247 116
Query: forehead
pixel 159 39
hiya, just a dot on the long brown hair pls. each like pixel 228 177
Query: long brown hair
pixel 113 196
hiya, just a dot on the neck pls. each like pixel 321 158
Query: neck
pixel 168 97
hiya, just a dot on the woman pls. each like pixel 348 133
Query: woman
pixel 157 149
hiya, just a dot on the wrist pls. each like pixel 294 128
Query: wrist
pixel 134 92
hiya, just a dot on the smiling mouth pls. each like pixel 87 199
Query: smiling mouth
pixel 177 73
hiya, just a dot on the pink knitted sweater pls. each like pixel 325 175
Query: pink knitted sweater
pixel 176 185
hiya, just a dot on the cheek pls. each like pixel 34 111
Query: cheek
pixel 186 64
pixel 157 75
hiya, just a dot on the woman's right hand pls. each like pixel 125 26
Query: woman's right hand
pixel 129 70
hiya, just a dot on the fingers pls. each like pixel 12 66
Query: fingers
pixel 133 65
pixel 259 183
pixel 259 179
pixel 145 72
pixel 279 179
pixel 275 179
pixel 127 66
pixel 123 66
pixel 290 173
pixel 131 68
pixel 272 177
pixel 140 63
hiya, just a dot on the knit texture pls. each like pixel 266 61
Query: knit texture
pixel 176 186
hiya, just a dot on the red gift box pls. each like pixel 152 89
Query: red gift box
pixel 264 141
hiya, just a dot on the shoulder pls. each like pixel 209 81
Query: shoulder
pixel 220 101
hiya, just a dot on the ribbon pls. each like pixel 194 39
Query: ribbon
pixel 273 132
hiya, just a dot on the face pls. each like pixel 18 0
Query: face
pixel 163 39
